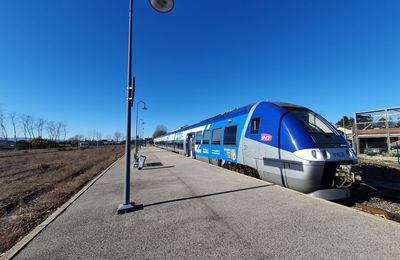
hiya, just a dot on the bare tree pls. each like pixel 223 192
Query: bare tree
pixel 78 137
pixel 30 126
pixel 75 140
pixel 64 130
pixel 3 126
pixel 160 130
pixel 99 135
pixel 92 135
pixel 23 119
pixel 59 126
pixel 52 130
pixel 117 135
pixel 39 124
pixel 13 117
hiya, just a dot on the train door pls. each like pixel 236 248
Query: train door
pixel 189 144
pixel 249 146
pixel 284 165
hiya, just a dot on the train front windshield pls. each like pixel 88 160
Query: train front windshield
pixel 312 122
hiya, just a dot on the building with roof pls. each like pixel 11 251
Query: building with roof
pixel 379 129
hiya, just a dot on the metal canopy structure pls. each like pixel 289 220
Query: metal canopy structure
pixel 377 128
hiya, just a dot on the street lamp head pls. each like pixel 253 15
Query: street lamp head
pixel 144 107
pixel 162 6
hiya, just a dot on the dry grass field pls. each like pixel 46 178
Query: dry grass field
pixel 34 183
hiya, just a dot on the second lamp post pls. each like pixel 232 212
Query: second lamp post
pixel 137 114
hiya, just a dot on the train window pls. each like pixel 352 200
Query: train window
pixel 312 122
pixel 179 145
pixel 230 135
pixel 206 137
pixel 198 137
pixel 216 136
pixel 255 125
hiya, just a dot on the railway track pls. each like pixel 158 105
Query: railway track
pixel 377 191
pixel 378 212
pixel 378 201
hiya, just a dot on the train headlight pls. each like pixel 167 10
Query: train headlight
pixel 314 154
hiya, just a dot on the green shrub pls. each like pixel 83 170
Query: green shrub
pixel 39 143
pixel 22 145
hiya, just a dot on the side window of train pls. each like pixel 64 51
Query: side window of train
pixel 198 137
pixel 230 135
pixel 206 137
pixel 255 125
pixel 216 136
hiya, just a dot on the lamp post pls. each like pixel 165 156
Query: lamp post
pixel 137 114
pixel 141 122
pixel 143 134
pixel 162 6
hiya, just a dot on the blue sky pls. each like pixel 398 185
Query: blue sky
pixel 66 60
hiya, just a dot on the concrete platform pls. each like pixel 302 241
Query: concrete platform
pixel 196 210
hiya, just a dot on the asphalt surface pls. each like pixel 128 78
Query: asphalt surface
pixel 193 210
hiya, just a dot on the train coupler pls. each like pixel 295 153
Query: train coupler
pixel 347 174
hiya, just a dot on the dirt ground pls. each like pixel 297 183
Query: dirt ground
pixel 34 183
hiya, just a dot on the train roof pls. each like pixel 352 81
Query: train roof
pixel 219 117
pixel 288 105
pixel 231 113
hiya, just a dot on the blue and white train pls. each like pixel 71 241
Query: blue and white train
pixel 281 143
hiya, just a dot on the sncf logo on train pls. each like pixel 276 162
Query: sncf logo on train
pixel 266 137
